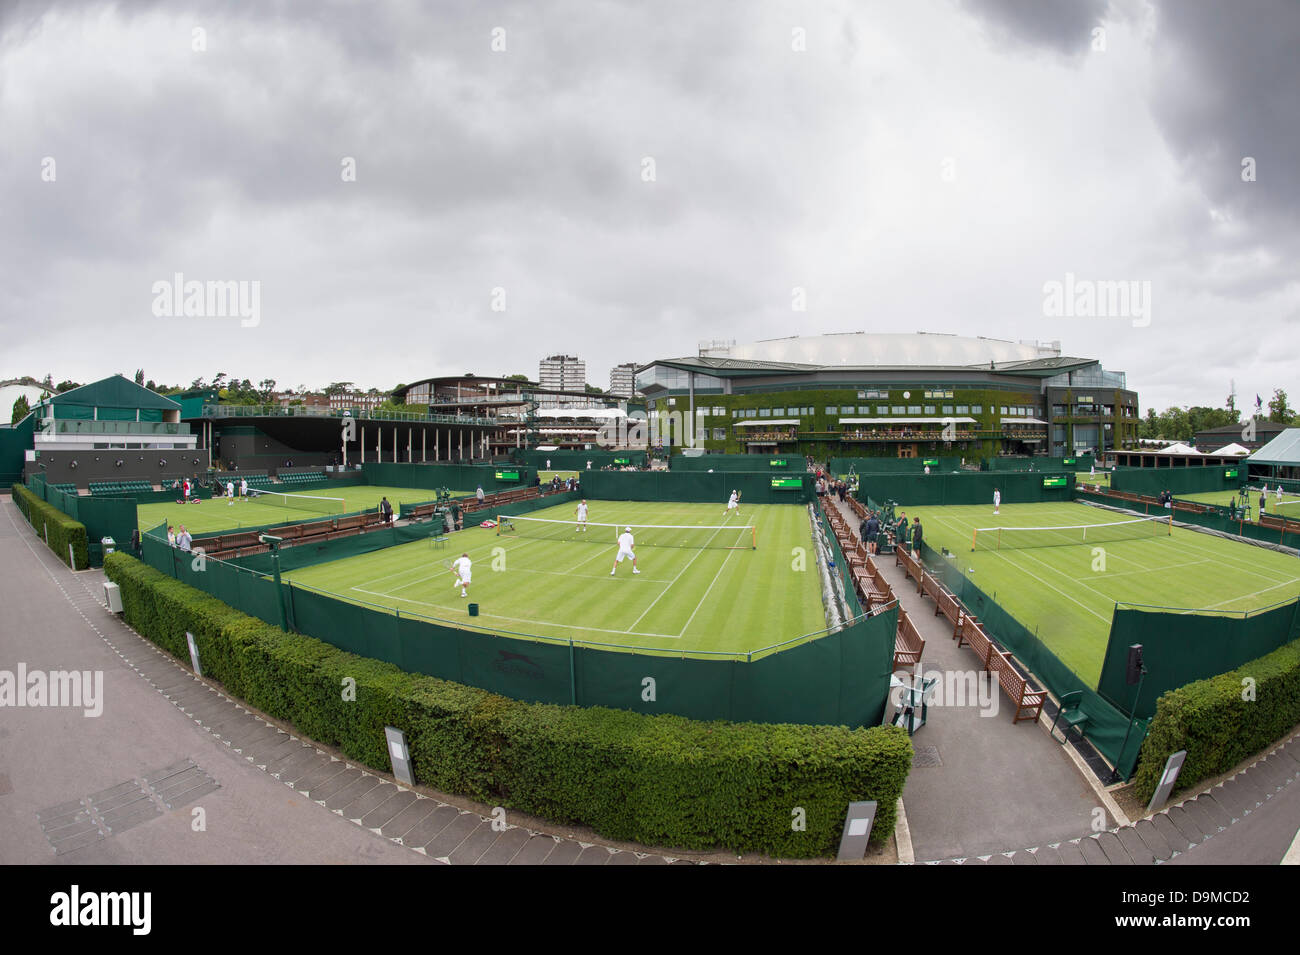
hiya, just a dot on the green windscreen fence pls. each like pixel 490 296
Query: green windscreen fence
pixel 698 486
pixel 966 487
pixel 1214 518
pixel 14 444
pixel 1192 479
pixel 113 517
pixel 838 678
pixel 1108 725
pixel 1180 647
pixel 458 477
pixel 1081 462
pixel 780 463
pixel 577 460
pixel 882 465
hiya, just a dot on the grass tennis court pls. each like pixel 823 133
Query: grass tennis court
pixel 1290 502
pixel 219 514
pixel 693 594
pixel 1055 590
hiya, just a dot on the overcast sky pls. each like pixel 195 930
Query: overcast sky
pixel 920 165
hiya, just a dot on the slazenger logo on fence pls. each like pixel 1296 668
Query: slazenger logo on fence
pixel 1086 298
pixel 74 688
pixel 506 663
pixel 229 299
pixel 103 908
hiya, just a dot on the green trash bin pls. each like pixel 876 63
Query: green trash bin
pixel 473 610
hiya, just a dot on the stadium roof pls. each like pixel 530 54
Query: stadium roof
pixel 114 392
pixel 735 367
pixel 1283 450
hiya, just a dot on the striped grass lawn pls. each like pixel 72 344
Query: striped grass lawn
pixel 1290 502
pixel 686 600
pixel 219 514
pixel 1056 592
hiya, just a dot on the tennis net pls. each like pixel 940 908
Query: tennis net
pixel 299 502
pixel 1015 538
pixel 720 537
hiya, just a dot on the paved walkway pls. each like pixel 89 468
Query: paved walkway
pixel 124 787
pixel 1020 788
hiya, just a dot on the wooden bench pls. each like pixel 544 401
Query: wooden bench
pixel 908 643
pixel 948 605
pixel 350 523
pixel 973 636
pixel 1029 703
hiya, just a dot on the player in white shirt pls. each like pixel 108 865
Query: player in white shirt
pixel 997 500
pixel 582 516
pixel 733 504
pixel 230 494
pixel 462 567
pixel 1277 495
pixel 243 487
pixel 625 549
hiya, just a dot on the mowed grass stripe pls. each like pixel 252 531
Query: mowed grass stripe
pixel 1055 591
pixel 685 600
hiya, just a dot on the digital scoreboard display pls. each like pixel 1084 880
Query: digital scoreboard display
pixel 622 460
pixel 1057 481
pixel 776 463
pixel 1067 460
pixel 930 462
pixel 787 483
pixel 1230 473
pixel 507 475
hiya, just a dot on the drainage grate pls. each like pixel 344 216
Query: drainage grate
pixel 180 783
pixel 73 825
pixel 926 757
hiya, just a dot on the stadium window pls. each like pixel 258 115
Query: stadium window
pixel 830 409
pixel 846 409
pixel 751 413
pixel 1004 409
pixel 701 434
pixel 913 409
pixel 719 434
pixel 963 409
pixel 862 394
pixel 929 409
pixel 882 409
pixel 897 409
pixel 976 409
pixel 762 413
pixel 672 403
pixel 778 412
pixel 947 409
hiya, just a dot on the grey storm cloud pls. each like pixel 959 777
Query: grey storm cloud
pixel 774 169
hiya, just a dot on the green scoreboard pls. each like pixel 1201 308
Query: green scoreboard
pixel 1068 460
pixel 787 483
pixel 507 475
pixel 1230 473
pixel 777 463
pixel 622 460
pixel 1058 480
pixel 930 462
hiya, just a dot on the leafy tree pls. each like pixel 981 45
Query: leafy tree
pixel 267 388
pixel 139 377
pixel 1278 410
pixel 21 410
pixel 66 385
pixel 338 387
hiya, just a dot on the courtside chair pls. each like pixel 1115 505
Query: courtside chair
pixel 1070 716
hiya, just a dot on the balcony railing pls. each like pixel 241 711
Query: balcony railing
pixel 908 435
pixel 65 426
pixel 767 437
pixel 304 411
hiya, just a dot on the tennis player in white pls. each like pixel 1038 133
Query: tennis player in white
pixel 733 504
pixel 230 493
pixel 462 567
pixel 243 487
pixel 625 549
pixel 582 516
pixel 997 500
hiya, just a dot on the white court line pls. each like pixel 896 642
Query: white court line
pixel 675 579
pixel 707 592
pixel 531 620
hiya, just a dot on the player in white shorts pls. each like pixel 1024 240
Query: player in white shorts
pixel 997 500
pixel 733 504
pixel 243 487
pixel 462 567
pixel 582 516
pixel 625 549
pixel 230 494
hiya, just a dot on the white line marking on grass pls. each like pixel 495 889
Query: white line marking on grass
pixel 707 592
pixel 677 578
pixel 532 620
pixel 1285 583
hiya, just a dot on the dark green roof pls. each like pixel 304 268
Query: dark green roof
pixel 114 392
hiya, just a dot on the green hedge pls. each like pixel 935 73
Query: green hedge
pixel 1216 726
pixel 656 780
pixel 62 529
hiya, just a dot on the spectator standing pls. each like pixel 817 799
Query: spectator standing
pixel 916 538
pixel 184 541
pixel 873 533
pixel 479 493
pixel 171 536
